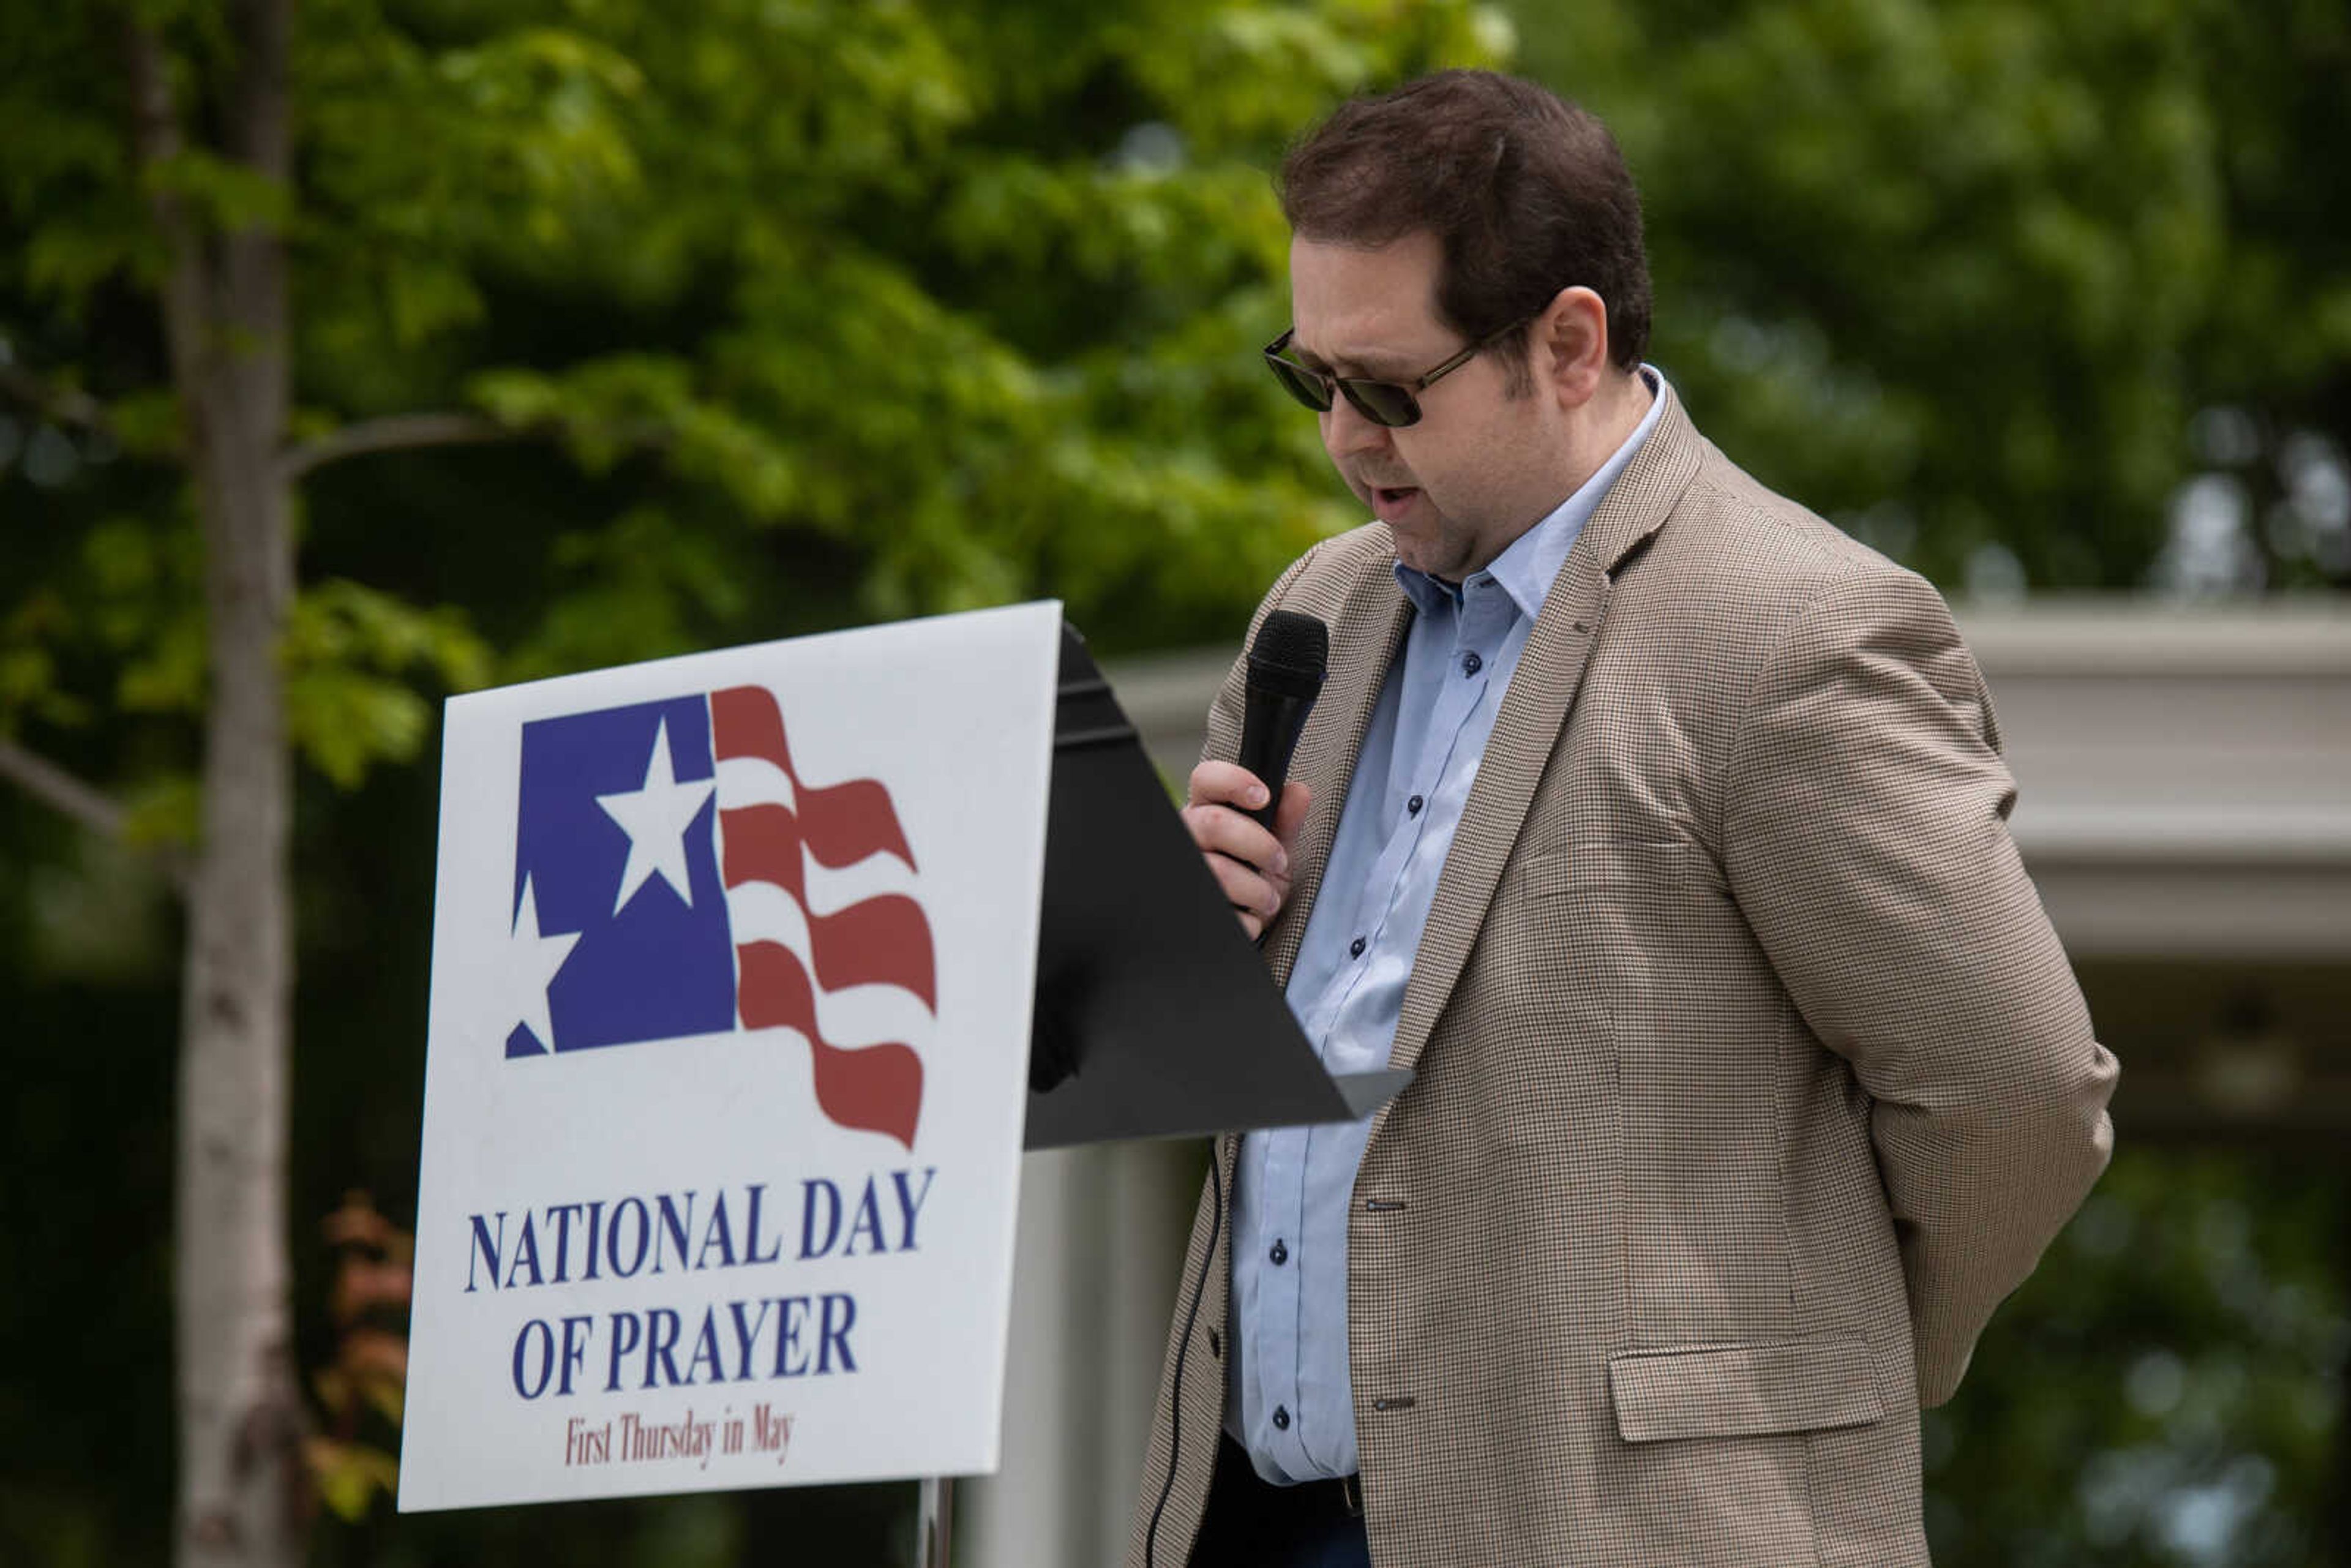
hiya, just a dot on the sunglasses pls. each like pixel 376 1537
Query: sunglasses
pixel 1390 404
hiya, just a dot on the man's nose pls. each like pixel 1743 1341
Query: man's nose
pixel 1346 432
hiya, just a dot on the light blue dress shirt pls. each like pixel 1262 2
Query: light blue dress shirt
pixel 1289 1398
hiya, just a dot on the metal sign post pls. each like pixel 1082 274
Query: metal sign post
pixel 935 1524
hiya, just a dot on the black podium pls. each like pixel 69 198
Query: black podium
pixel 1155 1016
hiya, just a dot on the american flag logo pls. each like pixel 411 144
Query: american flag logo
pixel 675 875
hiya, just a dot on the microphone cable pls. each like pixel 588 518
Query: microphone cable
pixel 1183 1348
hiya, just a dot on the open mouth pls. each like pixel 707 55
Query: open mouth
pixel 1387 500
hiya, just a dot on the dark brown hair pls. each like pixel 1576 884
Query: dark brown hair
pixel 1526 193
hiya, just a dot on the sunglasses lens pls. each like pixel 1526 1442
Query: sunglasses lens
pixel 1311 391
pixel 1382 403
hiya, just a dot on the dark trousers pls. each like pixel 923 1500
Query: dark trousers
pixel 1252 1523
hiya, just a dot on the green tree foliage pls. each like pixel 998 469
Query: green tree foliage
pixel 832 310
pixel 613 331
pixel 2167 1391
pixel 1964 276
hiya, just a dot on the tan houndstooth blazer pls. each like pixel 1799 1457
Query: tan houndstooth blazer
pixel 1750 1076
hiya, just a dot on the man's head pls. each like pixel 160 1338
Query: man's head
pixel 1463 207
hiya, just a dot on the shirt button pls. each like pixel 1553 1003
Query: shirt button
pixel 1471 664
pixel 1281 1418
pixel 1412 806
pixel 1355 949
pixel 1280 1253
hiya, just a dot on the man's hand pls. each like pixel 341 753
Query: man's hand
pixel 1249 863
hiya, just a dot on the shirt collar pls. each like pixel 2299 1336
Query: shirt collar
pixel 1526 568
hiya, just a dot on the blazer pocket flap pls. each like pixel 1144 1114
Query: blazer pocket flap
pixel 1743 1390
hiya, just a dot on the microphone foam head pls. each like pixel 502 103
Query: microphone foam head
pixel 1290 654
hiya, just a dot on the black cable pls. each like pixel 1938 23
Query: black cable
pixel 1183 1348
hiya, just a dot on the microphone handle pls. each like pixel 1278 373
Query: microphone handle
pixel 1271 725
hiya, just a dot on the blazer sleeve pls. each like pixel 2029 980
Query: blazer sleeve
pixel 1865 838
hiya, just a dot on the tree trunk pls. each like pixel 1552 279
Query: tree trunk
pixel 242 1494
pixel 240 1409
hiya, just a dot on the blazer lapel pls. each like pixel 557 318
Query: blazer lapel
pixel 1540 696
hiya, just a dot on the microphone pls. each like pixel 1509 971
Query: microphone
pixel 1286 666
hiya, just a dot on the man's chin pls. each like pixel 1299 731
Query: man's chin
pixel 1420 552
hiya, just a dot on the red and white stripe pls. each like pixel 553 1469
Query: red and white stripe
pixel 829 937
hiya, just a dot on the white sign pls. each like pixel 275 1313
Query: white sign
pixel 732 961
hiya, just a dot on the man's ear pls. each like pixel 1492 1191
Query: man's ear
pixel 1570 350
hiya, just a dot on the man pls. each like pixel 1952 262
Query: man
pixel 1660 830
